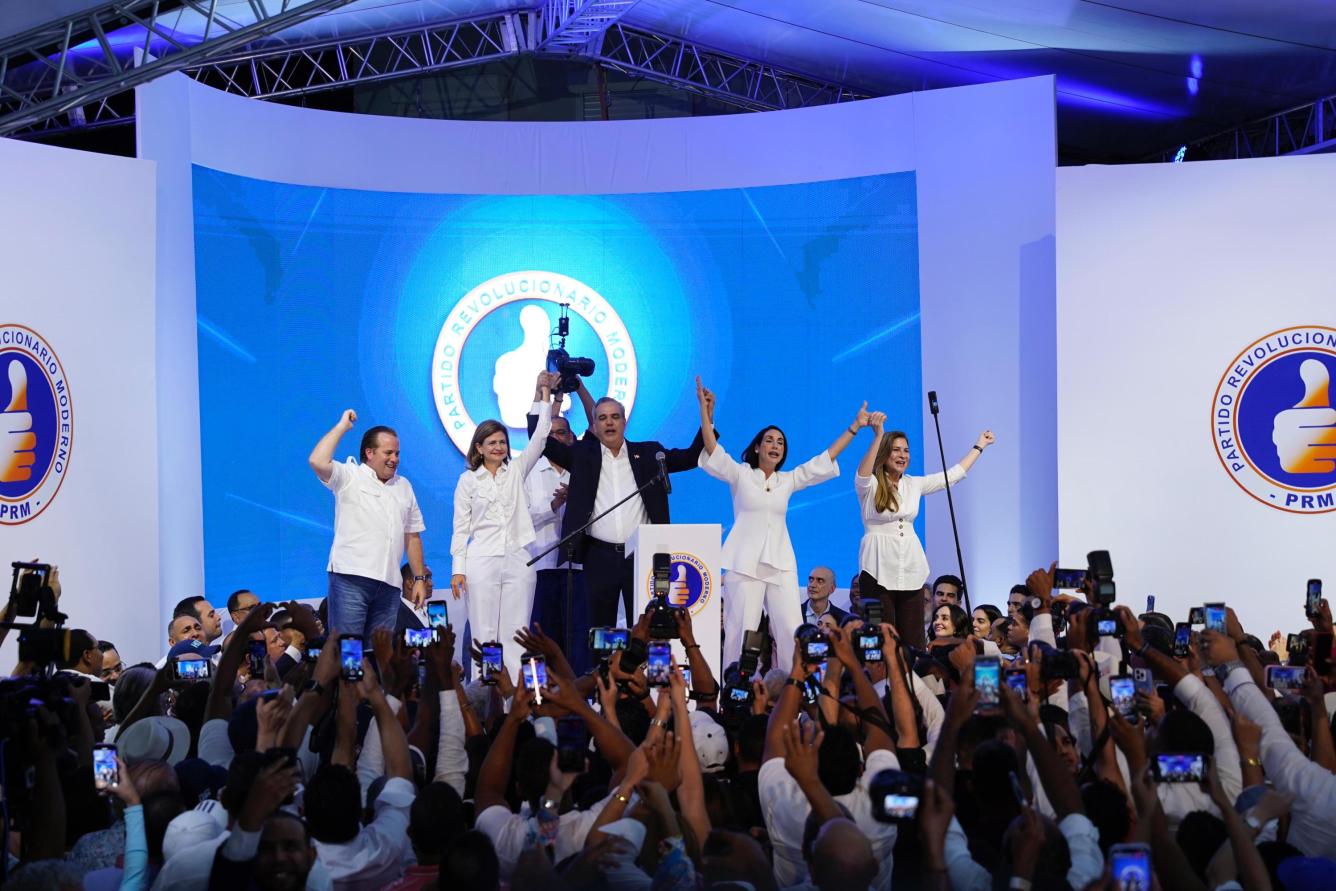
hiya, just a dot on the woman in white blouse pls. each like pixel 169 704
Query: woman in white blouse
pixel 891 562
pixel 492 526
pixel 760 567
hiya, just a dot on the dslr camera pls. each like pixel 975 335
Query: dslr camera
pixel 571 368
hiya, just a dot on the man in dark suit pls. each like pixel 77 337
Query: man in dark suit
pixel 605 468
pixel 820 585
pixel 409 617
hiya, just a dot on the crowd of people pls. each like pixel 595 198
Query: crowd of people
pixel 919 739
pixel 858 762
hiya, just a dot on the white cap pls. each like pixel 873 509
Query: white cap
pixel 711 742
pixel 187 830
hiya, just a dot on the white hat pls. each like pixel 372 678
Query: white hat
pixel 155 738
pixel 711 742
pixel 187 830
pixel 628 829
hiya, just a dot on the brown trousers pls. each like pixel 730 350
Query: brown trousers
pixel 903 609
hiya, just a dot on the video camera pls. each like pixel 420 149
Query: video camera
pixel 571 368
pixel 32 595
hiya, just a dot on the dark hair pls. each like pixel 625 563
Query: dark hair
pixel 1019 589
pixel 333 804
pixel 186 606
pixel 470 864
pixel 633 719
pixel 189 709
pixel 533 763
pixel 105 645
pixel 80 642
pixel 1200 835
pixel 1106 806
pixel 751 738
pixel 838 762
pixel 751 455
pixel 960 620
pixel 485 429
pixel 289 815
pixel 1182 731
pixel 234 599
pixel 437 815
pixel 951 580
pixel 370 439
pixel 241 774
pixel 160 809
pixel 130 688
pixel 992 612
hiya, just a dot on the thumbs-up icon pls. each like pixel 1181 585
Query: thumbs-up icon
pixel 1305 436
pixel 17 441
pixel 679 592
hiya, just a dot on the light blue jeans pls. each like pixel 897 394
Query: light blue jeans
pixel 359 605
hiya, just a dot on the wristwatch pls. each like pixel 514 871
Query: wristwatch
pixel 315 686
pixel 419 578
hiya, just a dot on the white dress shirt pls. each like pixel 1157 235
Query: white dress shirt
pixel 758 545
pixel 615 482
pixel 491 512
pixel 371 519
pixel 509 832
pixel 890 550
pixel 539 487
pixel 785 808
pixel 374 858
pixel 1312 829
pixel 1082 845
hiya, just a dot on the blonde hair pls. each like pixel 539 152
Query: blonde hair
pixel 888 496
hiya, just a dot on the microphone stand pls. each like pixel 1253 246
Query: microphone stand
pixel 950 504
pixel 567 544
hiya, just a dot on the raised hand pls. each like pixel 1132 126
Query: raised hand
pixel 705 398
pixel 801 746
pixel 862 417
pixel 877 421
pixel 1040 583
pixel 348 419
pixel 273 785
pixel 662 762
pixel 985 439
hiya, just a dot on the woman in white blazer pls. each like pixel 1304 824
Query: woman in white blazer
pixel 492 526
pixel 760 569
pixel 891 562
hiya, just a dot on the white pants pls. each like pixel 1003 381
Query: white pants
pixel 500 600
pixel 744 597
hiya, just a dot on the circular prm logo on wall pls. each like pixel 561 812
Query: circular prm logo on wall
pixel 1274 423
pixel 36 427
pixel 690 583
pixel 495 341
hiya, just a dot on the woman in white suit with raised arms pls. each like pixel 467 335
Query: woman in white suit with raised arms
pixel 492 526
pixel 760 568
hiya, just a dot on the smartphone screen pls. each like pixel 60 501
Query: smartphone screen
pixel 436 613
pixel 869 645
pixel 1313 598
pixel 419 637
pixel 1180 768
pixel 1068 579
pixel 1287 680
pixel 815 650
pixel 350 656
pixel 616 638
pixel 1107 627
pixel 255 653
pixel 1018 683
pixel 900 807
pixel 686 676
pixel 1215 617
pixel 659 663
pixel 987 677
pixel 1123 691
pixel 313 648
pixel 1197 616
pixel 535 672
pixel 1129 867
pixel 192 669
pixel 1182 640
pixel 597 640
pixel 105 772
pixel 739 694
pixel 491 662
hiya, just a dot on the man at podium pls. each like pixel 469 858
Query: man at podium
pixel 604 469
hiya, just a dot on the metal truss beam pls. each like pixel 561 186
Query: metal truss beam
pixel 1302 130
pixel 49 76
pixel 251 61
pixel 295 70
pixel 578 26
pixel 749 84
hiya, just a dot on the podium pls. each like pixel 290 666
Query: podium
pixel 695 584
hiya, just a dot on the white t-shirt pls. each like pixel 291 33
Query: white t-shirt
pixel 371 519
pixel 785 808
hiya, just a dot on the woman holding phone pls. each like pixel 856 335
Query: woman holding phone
pixel 761 570
pixel 492 526
pixel 891 562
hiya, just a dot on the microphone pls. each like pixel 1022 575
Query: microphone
pixel 663 472
pixel 932 401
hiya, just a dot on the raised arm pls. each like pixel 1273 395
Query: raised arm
pixel 494 775
pixel 541 427
pixel 985 439
pixel 847 435
pixel 869 703
pixel 393 742
pixel 322 456
pixel 902 698
pixel 706 400
pixel 877 421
